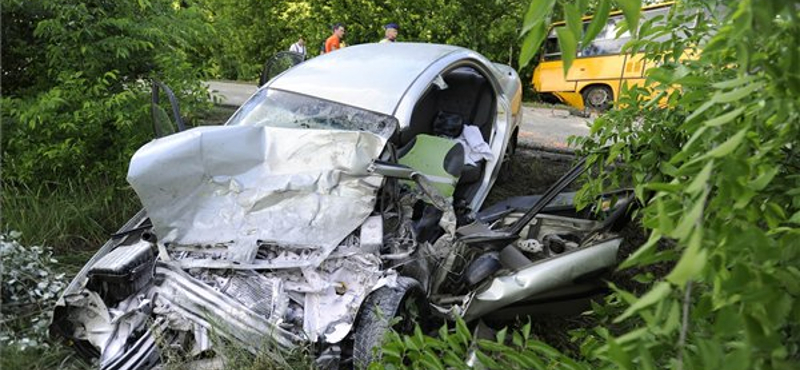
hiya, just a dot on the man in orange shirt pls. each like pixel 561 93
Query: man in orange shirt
pixel 334 42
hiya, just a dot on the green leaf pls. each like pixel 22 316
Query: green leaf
pixel 764 179
pixel 701 180
pixel 462 331
pixel 501 335
pixel 699 111
pixel 692 261
pixel 673 319
pixel 526 359
pixel 734 82
pixel 489 345
pixel 642 251
pixel 728 146
pixel 737 94
pixel 543 349
pixel 537 14
pixel 632 10
pixel 656 294
pixel 599 20
pixel 531 43
pixel 573 20
pixel 691 218
pixel 526 330
pixel 569 47
pixel 725 118
pixel 618 355
pixel 431 361
pixel 645 358
pixel 487 361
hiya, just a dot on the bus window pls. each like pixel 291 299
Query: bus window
pixel 606 42
pixel 551 49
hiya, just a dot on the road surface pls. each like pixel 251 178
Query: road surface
pixel 541 127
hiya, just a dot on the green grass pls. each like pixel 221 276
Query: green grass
pixel 71 216
pixel 55 357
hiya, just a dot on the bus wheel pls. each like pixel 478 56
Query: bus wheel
pixel 598 97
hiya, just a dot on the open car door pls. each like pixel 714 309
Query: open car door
pixel 278 63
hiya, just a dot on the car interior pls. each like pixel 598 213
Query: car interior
pixel 466 93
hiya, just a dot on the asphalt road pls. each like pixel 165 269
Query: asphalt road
pixel 541 127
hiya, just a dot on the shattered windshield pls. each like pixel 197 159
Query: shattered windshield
pixel 277 108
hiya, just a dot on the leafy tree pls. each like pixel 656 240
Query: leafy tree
pixel 75 95
pixel 711 148
pixel 252 31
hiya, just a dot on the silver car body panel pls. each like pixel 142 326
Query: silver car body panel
pixel 300 189
pixel 541 277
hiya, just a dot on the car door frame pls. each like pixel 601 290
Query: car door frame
pixel 502 125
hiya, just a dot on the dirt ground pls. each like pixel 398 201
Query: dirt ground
pixel 534 170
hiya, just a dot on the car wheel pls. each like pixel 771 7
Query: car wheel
pixel 598 97
pixel 505 167
pixel 386 308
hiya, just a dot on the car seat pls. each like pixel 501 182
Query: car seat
pixel 439 159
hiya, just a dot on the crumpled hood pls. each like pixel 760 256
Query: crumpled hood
pixel 238 187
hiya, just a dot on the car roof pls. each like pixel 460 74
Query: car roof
pixel 369 76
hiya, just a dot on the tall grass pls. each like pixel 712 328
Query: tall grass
pixel 55 356
pixel 73 217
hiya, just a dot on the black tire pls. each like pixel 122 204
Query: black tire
pixel 505 167
pixel 378 313
pixel 598 97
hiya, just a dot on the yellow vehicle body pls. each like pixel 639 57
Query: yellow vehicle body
pixel 599 70
pixel 612 71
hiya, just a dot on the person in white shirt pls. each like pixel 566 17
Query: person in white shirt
pixel 299 47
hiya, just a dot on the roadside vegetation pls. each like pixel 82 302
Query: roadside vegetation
pixel 711 150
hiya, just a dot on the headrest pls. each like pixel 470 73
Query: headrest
pixel 448 124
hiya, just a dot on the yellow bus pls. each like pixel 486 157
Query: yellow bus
pixel 599 70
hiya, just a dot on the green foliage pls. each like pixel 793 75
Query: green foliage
pixel 29 287
pixel 69 216
pixel 711 148
pixel 77 107
pixel 252 31
pixel 456 348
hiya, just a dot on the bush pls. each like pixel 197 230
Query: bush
pixel 711 147
pixel 30 287
pixel 456 348
pixel 80 107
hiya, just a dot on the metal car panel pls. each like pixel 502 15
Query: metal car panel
pixel 242 186
pixel 541 277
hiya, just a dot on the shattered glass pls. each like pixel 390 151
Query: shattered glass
pixel 277 108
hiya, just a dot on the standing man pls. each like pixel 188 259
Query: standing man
pixel 299 47
pixel 334 42
pixel 390 33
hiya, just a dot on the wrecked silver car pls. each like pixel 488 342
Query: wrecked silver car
pixel 313 220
